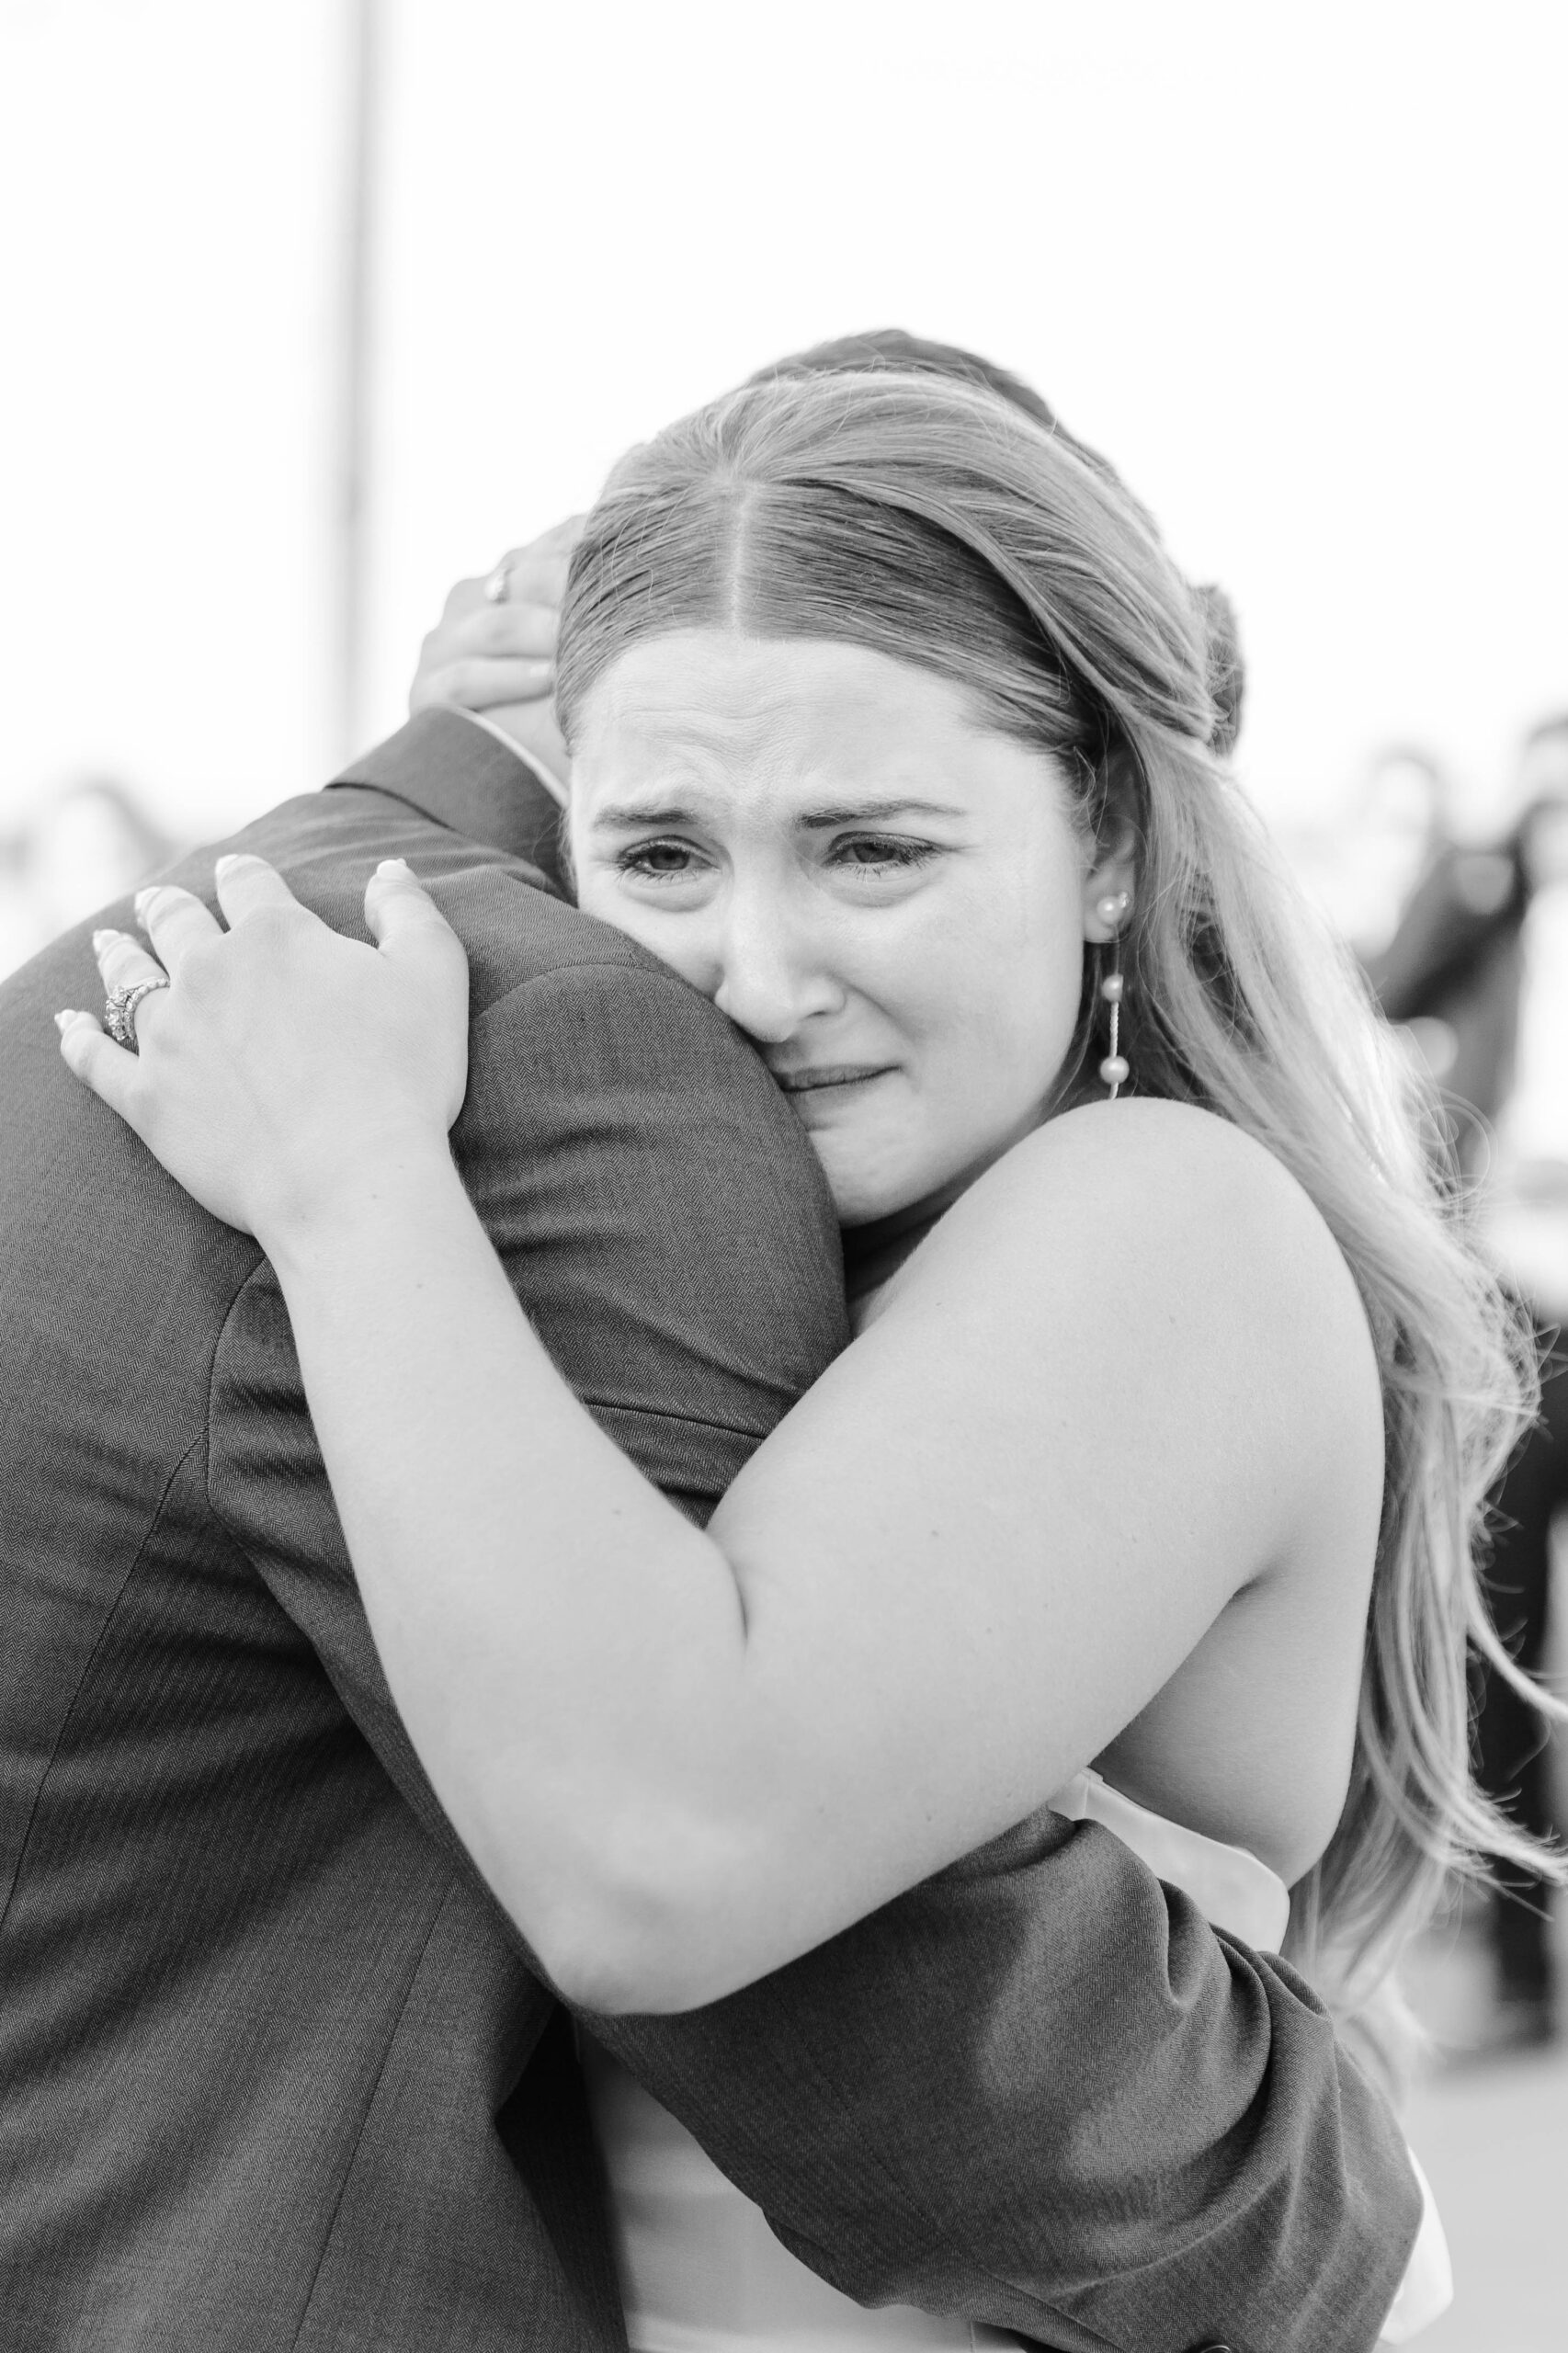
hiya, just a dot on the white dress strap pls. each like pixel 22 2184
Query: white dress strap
pixel 1231 1887
pixel 1427 2287
pixel 1239 1891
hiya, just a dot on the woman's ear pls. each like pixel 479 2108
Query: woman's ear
pixel 1111 883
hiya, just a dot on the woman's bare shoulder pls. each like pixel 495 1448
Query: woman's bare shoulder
pixel 1175 1153
pixel 1175 1220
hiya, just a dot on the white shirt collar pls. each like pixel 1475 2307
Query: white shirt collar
pixel 530 760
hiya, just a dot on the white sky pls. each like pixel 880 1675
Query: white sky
pixel 1300 273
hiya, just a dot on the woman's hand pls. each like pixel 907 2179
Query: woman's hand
pixel 284 1068
pixel 497 653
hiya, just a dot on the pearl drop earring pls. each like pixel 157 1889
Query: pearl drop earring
pixel 1114 1069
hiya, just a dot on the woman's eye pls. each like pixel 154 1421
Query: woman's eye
pixel 658 862
pixel 873 853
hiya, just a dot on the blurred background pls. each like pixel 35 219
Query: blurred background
pixel 317 306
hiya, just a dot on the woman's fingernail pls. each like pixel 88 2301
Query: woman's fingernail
pixel 101 940
pixel 230 858
pixel 393 866
pixel 144 900
pixel 64 1021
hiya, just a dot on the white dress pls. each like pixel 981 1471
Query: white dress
pixel 701 2271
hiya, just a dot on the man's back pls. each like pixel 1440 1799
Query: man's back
pixel 258 2023
pixel 262 2033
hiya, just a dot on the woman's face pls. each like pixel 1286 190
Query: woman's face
pixel 889 899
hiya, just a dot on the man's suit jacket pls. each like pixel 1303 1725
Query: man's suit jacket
pixel 274 2071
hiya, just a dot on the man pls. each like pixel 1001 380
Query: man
pixel 273 2070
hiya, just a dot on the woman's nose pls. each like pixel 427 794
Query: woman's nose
pixel 770 980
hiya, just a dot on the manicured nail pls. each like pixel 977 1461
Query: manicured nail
pixel 144 900
pixel 393 866
pixel 230 858
pixel 102 938
pixel 62 1020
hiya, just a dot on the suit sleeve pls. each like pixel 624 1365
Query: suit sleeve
pixel 665 1226
pixel 1041 2092
pixel 1038 2090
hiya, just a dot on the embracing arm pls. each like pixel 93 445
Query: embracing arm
pixel 655 1210
pixel 1037 2088
pixel 682 1758
pixel 1039 2091
pixel 972 1555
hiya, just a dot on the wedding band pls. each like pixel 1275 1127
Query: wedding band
pixel 495 586
pixel 120 1010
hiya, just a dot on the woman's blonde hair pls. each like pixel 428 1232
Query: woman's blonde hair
pixel 930 521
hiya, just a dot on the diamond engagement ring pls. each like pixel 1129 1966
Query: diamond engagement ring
pixel 119 1010
pixel 495 585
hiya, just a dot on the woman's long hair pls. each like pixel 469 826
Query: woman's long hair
pixel 930 521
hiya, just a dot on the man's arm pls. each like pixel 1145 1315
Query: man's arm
pixel 1040 2091
pixel 662 1221
pixel 1037 2090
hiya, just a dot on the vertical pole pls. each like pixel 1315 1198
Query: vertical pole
pixel 353 423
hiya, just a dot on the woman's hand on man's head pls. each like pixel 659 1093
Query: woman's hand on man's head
pixel 494 648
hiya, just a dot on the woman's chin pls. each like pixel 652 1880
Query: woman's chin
pixel 864 1186
pixel 870 1180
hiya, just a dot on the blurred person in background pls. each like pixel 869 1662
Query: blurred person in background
pixel 1478 968
pixel 91 842
pixel 18 934
pixel 1402 828
pixel 1363 868
pixel 94 841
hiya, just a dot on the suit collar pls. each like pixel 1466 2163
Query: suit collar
pixel 467 779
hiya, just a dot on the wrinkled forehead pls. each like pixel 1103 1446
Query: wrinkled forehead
pixel 735 721
pixel 727 689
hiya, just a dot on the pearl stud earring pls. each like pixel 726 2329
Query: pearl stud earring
pixel 1114 1069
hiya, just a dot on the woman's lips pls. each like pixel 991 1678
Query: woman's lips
pixel 824 1077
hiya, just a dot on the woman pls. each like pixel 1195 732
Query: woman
pixel 1172 1396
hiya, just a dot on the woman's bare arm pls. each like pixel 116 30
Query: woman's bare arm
pixel 971 1556
pixel 1097 1406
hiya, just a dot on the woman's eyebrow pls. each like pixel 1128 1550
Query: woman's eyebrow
pixel 861 812
pixel 644 812
pixel 627 813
